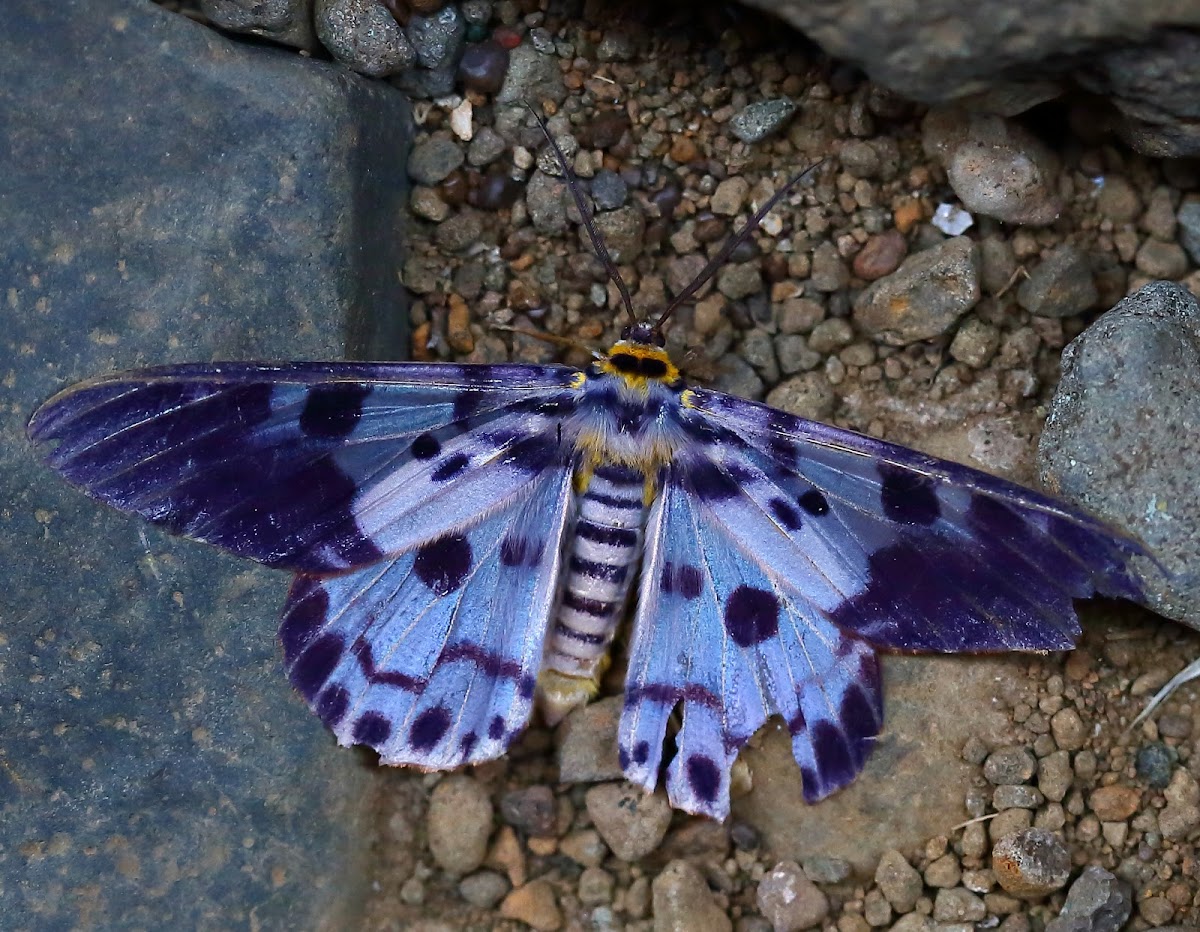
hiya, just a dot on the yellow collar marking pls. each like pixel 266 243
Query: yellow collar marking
pixel 639 365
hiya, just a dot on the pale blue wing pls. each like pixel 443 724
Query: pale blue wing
pixel 432 657
pixel 317 467
pixel 901 549
pixel 719 634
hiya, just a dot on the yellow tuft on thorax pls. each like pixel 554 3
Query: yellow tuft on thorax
pixel 638 365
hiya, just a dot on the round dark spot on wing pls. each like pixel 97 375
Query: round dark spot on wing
pixel 332 705
pixel 429 728
pixel 786 514
pixel 314 666
pixel 442 564
pixel 703 777
pixel 907 497
pixel 426 447
pixel 641 752
pixel 372 729
pixel 751 615
pixel 333 410
pixel 450 467
pixel 496 728
pixel 814 502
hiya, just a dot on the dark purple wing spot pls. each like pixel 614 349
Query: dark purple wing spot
pixel 372 729
pixel 512 551
pixel 703 777
pixel 786 514
pixel 332 410
pixel 710 482
pixel 429 728
pixel 312 669
pixel 332 705
pixel 682 578
pixel 908 497
pixel 426 447
pixel 496 728
pixel 814 503
pixel 751 615
pixel 442 564
pixel 641 752
pixel 622 757
pixel 533 454
pixel 526 686
pixel 859 720
pixel 450 467
pixel 834 763
pixel 468 743
pixel 307 610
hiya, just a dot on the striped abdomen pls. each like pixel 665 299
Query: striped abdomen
pixel 601 566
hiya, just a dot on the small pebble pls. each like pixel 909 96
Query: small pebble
pixel 1069 732
pixel 760 120
pixel 881 255
pixel 1157 259
pixel 730 196
pixel 1031 863
pixel 631 821
pixel 1114 803
pixel 789 900
pixel 1096 902
pixel 1182 813
pixel 682 901
pixel 482 67
pixel 1061 285
pixel 434 158
pixel 898 880
pixel 535 905
pixel 808 395
pixel 1154 763
pixel 958 905
pixel 459 823
pixel 483 889
pixel 531 809
pixel 1009 766
pixel 943 872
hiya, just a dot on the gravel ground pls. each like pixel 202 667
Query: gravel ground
pixel 920 287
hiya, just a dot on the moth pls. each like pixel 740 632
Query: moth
pixel 466 540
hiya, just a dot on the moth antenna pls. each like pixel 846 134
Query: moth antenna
pixel 733 243
pixel 585 213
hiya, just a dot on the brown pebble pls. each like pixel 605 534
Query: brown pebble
pixel 1114 803
pixel 881 255
pixel 534 905
pixel 420 343
pixel 907 212
pixel 684 150
pixel 458 326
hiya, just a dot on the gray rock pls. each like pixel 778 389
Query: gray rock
pixel 530 809
pixel 1016 797
pixel 757 121
pixel 898 880
pixel 1126 446
pixel 759 350
pixel 1142 56
pixel 1061 285
pixel 958 905
pixel 531 76
pixel 187 779
pixel 437 38
pixel 791 349
pixel 631 821
pixel 924 297
pixel 1055 775
pixel 288 22
pixel 996 167
pixel 460 232
pixel 1009 765
pixel 609 190
pixel 1154 762
pixel 1189 228
pixel 789 900
pixel 1096 902
pixel 363 36
pixel 486 146
pixel 546 198
pixel 623 231
pixel 830 335
pixel 434 158
pixel 730 196
pixel 739 280
pixel 975 343
pixel 1156 259
pixel 483 889
pixel 1181 815
pixel 737 377
pixel 829 272
pixel 806 395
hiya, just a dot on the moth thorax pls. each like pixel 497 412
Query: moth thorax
pixel 602 563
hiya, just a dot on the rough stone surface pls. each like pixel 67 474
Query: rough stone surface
pixel 1141 55
pixel 899 881
pixel 1125 445
pixel 789 900
pixel 459 824
pixel 631 821
pixel 1096 902
pixel 1031 863
pixel 683 901
pixel 288 22
pixel 924 297
pixel 1060 285
pixel 188 777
